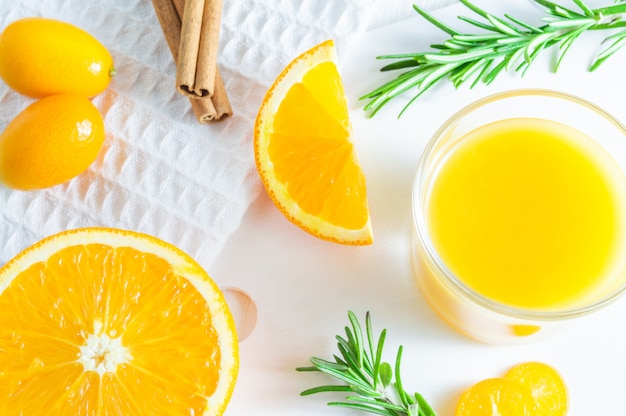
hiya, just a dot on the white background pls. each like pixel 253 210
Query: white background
pixel 303 287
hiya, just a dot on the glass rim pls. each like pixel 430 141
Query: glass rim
pixel 419 223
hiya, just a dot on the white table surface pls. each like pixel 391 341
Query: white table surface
pixel 303 287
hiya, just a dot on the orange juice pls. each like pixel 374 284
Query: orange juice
pixel 519 205
pixel 529 213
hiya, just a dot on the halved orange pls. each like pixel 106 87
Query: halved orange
pixel 547 387
pixel 305 154
pixel 109 322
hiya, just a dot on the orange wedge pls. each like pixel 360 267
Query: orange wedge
pixel 547 387
pixel 304 151
pixel 109 322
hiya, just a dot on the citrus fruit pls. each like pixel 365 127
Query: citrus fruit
pixel 99 321
pixel 305 154
pixel 41 57
pixel 51 141
pixel 496 397
pixel 547 387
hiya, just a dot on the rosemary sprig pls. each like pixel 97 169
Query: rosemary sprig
pixel 367 379
pixel 506 44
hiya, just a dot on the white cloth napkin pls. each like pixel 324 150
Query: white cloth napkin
pixel 160 171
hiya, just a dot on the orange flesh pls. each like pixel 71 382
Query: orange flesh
pixel 297 140
pixel 49 311
pixel 495 397
pixel 547 386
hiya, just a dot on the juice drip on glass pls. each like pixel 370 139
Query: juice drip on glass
pixel 529 213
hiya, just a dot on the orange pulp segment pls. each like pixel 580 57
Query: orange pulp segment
pixel 304 152
pixel 110 322
pixel 547 386
pixel 495 397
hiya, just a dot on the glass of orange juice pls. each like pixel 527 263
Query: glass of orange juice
pixel 519 207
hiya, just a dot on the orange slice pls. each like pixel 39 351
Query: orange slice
pixel 304 151
pixel 496 397
pixel 109 322
pixel 547 387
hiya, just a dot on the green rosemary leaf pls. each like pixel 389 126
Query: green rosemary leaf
pixel 408 63
pixel 583 7
pixel 438 46
pixel 486 66
pixel 573 23
pixel 619 42
pixel 326 389
pixel 611 24
pixel 406 398
pixel 536 44
pixel 439 73
pixel 454 44
pixel 429 80
pixel 474 8
pixel 370 346
pixel 385 374
pixel 340 360
pixel 503 26
pixel 424 406
pixel 527 26
pixel 358 334
pixel 349 357
pixel 350 337
pixel 378 356
pixel 364 407
pixel 371 381
pixel 567 42
pixel 361 384
pixel 397 86
pixel 522 67
pixel 494 72
pixel 436 22
pixel 347 344
pixel 481 57
pixel 611 10
pixel 478 24
pixel 618 39
pixel 525 65
pixel 372 358
pixel 440 58
pixel 308 368
pixel 517 42
pixel 476 38
pixel 515 57
pixel 459 76
pixel 558 10
pixel 367 401
pixel 414 410
pixel 415 97
pixel 320 363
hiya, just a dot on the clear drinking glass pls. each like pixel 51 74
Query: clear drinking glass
pixel 465 309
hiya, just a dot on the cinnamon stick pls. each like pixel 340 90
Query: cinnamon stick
pixel 199 43
pixel 180 9
pixel 207 108
pixel 170 22
pixel 213 108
